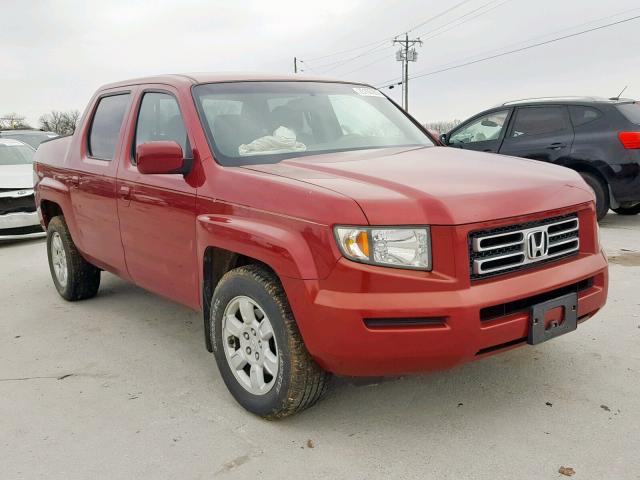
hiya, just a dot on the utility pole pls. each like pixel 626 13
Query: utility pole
pixel 295 64
pixel 406 54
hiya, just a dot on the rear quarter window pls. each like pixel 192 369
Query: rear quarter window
pixel 106 125
pixel 631 111
pixel 581 115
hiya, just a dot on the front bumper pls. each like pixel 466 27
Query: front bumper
pixel 20 225
pixel 457 317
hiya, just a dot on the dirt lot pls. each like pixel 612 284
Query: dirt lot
pixel 121 387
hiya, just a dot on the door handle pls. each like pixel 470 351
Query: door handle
pixel 488 150
pixel 125 192
pixel 556 146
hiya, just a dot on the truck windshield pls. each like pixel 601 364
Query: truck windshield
pixel 266 122
pixel 13 152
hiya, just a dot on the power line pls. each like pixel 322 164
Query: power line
pixel 436 33
pixel 547 42
pixel 573 27
pixel 345 51
pixel 435 17
pixel 432 33
pixel 338 63
pixel 378 60
pixel 378 43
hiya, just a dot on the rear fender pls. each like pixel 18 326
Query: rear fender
pixel 54 190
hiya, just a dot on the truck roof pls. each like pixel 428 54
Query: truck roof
pixel 197 78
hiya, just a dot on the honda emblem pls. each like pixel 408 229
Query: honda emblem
pixel 537 244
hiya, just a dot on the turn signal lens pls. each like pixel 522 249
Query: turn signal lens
pixel 355 243
pixel 386 246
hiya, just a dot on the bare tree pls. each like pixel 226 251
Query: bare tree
pixel 443 126
pixel 13 121
pixel 62 123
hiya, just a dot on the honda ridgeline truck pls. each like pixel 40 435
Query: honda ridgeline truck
pixel 318 229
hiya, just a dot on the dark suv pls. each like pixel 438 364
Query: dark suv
pixel 598 138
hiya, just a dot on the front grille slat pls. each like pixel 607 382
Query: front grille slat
pixel 506 249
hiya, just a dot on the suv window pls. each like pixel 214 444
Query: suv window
pixel 106 125
pixel 582 115
pixel 631 111
pixel 485 128
pixel 532 121
pixel 159 118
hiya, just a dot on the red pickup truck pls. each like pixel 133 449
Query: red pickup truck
pixel 318 229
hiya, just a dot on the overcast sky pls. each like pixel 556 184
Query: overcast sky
pixel 55 54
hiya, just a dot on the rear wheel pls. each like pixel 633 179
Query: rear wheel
pixel 628 210
pixel 73 276
pixel 258 347
pixel 600 191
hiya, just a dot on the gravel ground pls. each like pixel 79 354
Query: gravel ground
pixel 121 387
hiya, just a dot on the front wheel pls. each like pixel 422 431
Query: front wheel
pixel 258 347
pixel 628 210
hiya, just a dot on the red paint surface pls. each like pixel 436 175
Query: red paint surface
pixel 154 230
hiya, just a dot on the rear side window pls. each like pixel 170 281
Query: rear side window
pixel 631 111
pixel 582 115
pixel 160 119
pixel 106 125
pixel 532 121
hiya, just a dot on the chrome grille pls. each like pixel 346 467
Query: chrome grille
pixel 506 249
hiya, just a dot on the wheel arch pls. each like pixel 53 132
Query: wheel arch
pixel 583 167
pixel 48 210
pixel 289 250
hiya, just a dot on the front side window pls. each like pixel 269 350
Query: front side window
pixel 266 122
pixel 13 152
pixel 486 128
pixel 159 118
pixel 106 126
pixel 531 121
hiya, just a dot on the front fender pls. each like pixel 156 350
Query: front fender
pixel 291 247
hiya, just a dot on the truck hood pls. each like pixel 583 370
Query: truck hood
pixel 16 176
pixel 437 185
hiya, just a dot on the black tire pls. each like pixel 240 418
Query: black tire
pixel 300 382
pixel 601 192
pixel 83 279
pixel 628 210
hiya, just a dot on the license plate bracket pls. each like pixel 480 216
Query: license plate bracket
pixel 539 332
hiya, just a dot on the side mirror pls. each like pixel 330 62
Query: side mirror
pixel 443 138
pixel 162 157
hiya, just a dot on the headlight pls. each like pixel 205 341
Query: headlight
pixel 407 247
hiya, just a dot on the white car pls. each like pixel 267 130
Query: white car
pixel 18 215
